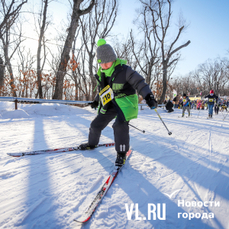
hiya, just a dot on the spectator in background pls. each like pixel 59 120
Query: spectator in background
pixel 211 100
pixel 169 106
pixel 180 103
pixel 198 106
pixel 223 107
pixel 186 104
pixel 216 108
pixel 176 101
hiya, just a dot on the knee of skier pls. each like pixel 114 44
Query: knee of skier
pixel 96 126
pixel 119 125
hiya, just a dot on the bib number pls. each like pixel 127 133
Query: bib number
pixel 106 95
pixel 210 100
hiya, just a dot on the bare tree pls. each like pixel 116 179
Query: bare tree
pixel 41 42
pixel 26 84
pixel 214 74
pixel 123 49
pixel 76 13
pixel 97 24
pixel 9 48
pixel 78 73
pixel 146 54
pixel 9 13
pixel 2 71
pixel 161 11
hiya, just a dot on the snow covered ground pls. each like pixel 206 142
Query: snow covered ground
pixel 179 181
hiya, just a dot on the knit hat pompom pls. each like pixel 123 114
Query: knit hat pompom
pixel 105 52
pixel 101 42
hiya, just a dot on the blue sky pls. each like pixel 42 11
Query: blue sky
pixel 208 29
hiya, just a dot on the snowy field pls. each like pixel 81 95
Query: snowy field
pixel 179 181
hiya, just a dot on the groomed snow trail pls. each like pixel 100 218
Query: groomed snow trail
pixel 183 171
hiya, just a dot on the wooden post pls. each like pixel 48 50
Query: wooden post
pixel 16 104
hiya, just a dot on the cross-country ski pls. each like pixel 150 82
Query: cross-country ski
pixel 57 150
pixel 101 193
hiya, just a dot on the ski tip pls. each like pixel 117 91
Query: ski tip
pixel 82 219
pixel 15 154
pixel 129 152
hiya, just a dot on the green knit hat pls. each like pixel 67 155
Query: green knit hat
pixel 105 52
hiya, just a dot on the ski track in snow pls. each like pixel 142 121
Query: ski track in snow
pixel 50 190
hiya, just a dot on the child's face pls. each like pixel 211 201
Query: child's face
pixel 106 66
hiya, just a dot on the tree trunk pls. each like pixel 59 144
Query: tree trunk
pixel 164 83
pixel 76 13
pixel 2 70
pixel 42 31
pixel 8 64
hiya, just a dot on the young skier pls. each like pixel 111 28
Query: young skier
pixel 169 106
pixel 186 102
pixel 211 100
pixel 117 98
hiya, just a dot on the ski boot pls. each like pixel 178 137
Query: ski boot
pixel 121 159
pixel 86 146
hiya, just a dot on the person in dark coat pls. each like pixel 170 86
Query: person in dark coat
pixel 117 99
pixel 216 108
pixel 169 106
pixel 211 101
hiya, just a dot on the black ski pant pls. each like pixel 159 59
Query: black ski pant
pixel 120 128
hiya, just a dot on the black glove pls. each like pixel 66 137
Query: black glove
pixel 151 102
pixel 94 104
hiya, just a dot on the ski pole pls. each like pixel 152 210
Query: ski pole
pixel 198 114
pixel 169 133
pixel 225 116
pixel 137 128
